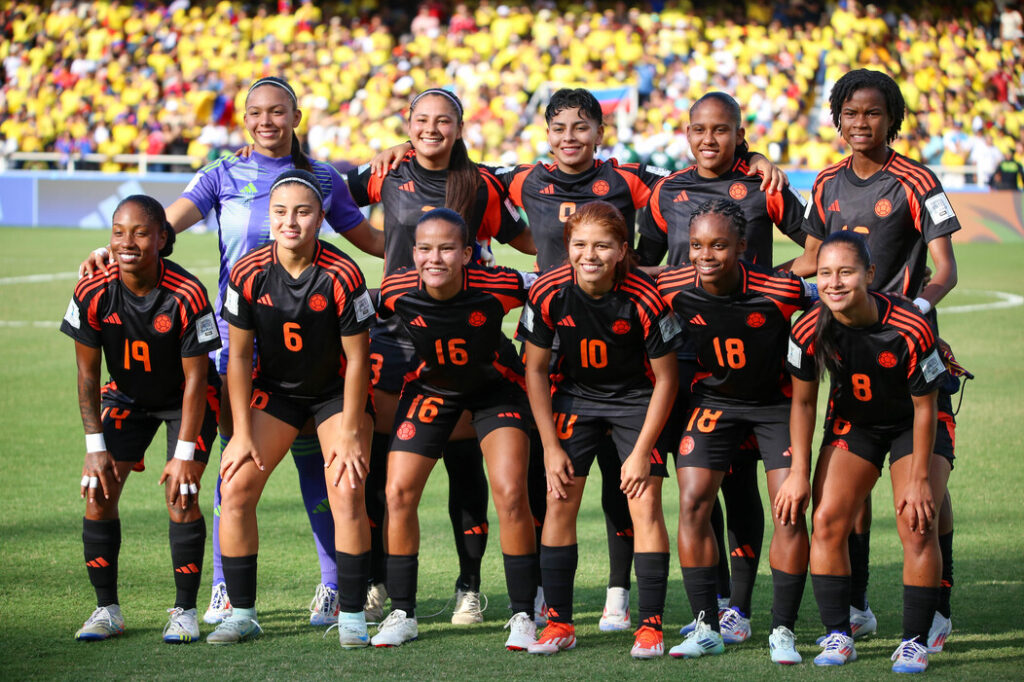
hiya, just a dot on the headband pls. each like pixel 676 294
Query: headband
pixel 438 91
pixel 273 80
pixel 294 178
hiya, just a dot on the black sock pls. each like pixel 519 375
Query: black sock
pixel 402 573
pixel 918 610
pixel 724 588
pixel 700 584
pixel 860 551
pixel 745 520
pixel 467 507
pixel 832 592
pixel 376 504
pixel 353 574
pixel 946 586
pixel 558 573
pixel 788 590
pixel 618 523
pixel 521 581
pixel 101 541
pixel 188 543
pixel 240 579
pixel 651 586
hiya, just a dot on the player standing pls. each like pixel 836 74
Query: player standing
pixel 153 322
pixel 303 305
pixel 885 371
pixel 452 310
pixel 737 317
pixel 237 190
pixel 901 209
pixel 615 370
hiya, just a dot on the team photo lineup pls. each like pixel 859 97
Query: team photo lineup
pixel 656 336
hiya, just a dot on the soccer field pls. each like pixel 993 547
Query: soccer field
pixel 45 594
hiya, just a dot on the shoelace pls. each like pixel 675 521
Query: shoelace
pixel 470 601
pixel 518 620
pixel 908 650
pixel 177 614
pixel 554 631
pixel 786 638
pixel 647 637
pixel 99 615
pixel 238 624
pixel 701 629
pixel 323 600
pixel 834 643
pixel 730 619
pixel 220 598
pixel 392 620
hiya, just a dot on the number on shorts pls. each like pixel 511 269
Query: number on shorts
pixel 861 387
pixel 376 363
pixel 706 422
pixel 429 408
pixel 840 426
pixel 259 399
pixel 593 353
pixel 563 425
pixel 734 358
pixel 292 340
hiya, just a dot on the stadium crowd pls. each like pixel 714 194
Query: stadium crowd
pixel 145 77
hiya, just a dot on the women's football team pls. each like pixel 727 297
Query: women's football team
pixel 620 358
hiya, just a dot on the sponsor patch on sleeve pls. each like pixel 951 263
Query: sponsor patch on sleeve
pixel 362 169
pixel 807 210
pixel 658 170
pixel 72 316
pixel 206 328
pixel 363 306
pixel 669 327
pixel 527 318
pixel 932 366
pixel 939 208
pixel 799 197
pixel 512 209
pixel 795 355
pixel 231 301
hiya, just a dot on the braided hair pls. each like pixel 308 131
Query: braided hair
pixel 860 79
pixel 723 207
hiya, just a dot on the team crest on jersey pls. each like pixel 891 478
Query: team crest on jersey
pixel 883 207
pixel 477 319
pixel 406 430
pixel 756 320
pixel 686 445
pixel 317 302
pixel 162 323
pixel 737 190
pixel 600 188
pixel 887 359
pixel 621 326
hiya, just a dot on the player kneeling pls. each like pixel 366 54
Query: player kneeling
pixel 153 322
pixel 617 370
pixel 452 310
pixel 304 305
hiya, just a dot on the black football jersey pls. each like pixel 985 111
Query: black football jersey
pixel 144 338
pixel 549 196
pixel 740 339
pixel 882 365
pixel 899 210
pixel 665 225
pixel 411 190
pixel 459 341
pixel 603 344
pixel 299 322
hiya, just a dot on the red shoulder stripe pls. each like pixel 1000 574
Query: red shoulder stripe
pixel 916 325
pixel 186 288
pixel 515 188
pixel 640 192
pixel 85 286
pixel 803 330
pixel 344 267
pixel 924 181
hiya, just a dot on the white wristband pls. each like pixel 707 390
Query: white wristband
pixel 923 305
pixel 94 442
pixel 185 450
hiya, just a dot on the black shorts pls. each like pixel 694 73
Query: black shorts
pixel 945 430
pixel 424 419
pixel 717 436
pixel 296 411
pixel 872 443
pixel 581 436
pixel 673 431
pixel 128 429
pixel 391 358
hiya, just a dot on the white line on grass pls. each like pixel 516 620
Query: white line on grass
pixel 57 276
pixel 1006 300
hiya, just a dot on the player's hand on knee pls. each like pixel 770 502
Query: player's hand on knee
pixel 98 473
pixel 351 460
pixel 916 505
pixel 792 499
pixel 239 450
pixel 559 471
pixel 182 479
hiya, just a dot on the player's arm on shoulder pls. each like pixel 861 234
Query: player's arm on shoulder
pixel 366 238
pixel 773 178
pixel 183 214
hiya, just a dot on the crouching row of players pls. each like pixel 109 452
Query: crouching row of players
pixel 303 307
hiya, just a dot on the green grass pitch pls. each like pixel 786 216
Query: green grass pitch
pixel 45 594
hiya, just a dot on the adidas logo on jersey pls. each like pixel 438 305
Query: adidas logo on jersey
pixel 249 189
pixel 566 321
pixel 407 187
pixel 698 321
pixel 550 189
pixel 419 322
pixel 834 206
pixel 265 300
pixel 682 196
pixel 112 319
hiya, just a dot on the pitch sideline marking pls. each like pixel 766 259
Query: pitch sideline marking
pixel 57 276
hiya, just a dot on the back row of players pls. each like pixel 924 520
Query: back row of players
pixel 449 313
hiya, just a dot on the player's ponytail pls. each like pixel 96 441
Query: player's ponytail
pixel 826 347
pixel 155 215
pixel 299 158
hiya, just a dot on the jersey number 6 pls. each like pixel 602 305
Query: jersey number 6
pixel 292 340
